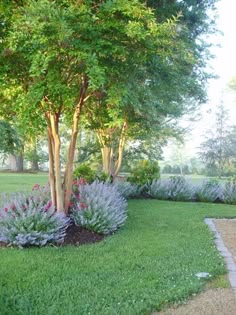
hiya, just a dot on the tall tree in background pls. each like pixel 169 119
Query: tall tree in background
pixel 218 149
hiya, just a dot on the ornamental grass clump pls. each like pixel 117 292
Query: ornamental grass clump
pixel 209 191
pixel 229 191
pixel 29 220
pixel 100 208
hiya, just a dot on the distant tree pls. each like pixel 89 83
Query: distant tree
pixel 9 139
pixel 167 169
pixel 218 149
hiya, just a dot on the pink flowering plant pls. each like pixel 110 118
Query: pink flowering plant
pixel 31 220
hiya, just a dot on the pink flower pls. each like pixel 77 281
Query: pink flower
pixel 13 207
pixel 48 205
pixel 5 209
pixel 35 187
pixel 82 205
pixel 71 204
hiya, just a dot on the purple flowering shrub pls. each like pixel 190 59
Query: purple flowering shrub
pixel 99 207
pixel 209 190
pixel 126 189
pixel 174 188
pixel 229 191
pixel 31 220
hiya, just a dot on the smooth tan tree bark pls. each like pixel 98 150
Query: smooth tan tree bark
pixel 51 166
pixel 68 176
pixel 54 124
pixel 112 162
pixel 121 147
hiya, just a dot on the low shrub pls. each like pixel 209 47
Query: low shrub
pixel 86 172
pixel 159 189
pixel 174 188
pixel 179 189
pixel 99 208
pixel 209 191
pixel 229 191
pixel 126 189
pixel 30 220
pixel 144 172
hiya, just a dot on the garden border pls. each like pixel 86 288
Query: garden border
pixel 225 253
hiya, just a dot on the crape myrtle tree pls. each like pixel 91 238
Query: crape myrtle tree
pixel 59 54
pixel 170 84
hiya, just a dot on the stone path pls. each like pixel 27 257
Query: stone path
pixel 228 257
pixel 215 301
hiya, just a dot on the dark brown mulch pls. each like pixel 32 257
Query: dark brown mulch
pixel 2 244
pixel 76 235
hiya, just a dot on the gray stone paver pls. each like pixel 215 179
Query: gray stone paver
pixel 228 257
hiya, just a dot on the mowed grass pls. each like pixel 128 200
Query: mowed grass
pixel 150 262
pixel 13 182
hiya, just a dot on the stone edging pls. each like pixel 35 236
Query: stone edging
pixel 228 258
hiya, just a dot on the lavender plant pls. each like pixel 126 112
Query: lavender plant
pixel 179 189
pixel 100 208
pixel 209 191
pixel 28 221
pixel 229 191
pixel 174 188
pixel 126 189
pixel 159 189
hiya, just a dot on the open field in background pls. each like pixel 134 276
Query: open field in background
pixel 150 262
pixel 15 182
pixel 196 179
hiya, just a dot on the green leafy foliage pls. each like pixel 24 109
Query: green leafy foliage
pixel 86 172
pixel 9 139
pixel 145 171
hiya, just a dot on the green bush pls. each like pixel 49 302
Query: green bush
pixel 86 172
pixel 144 172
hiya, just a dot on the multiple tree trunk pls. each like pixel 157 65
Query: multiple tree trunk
pixel 112 145
pixel 61 186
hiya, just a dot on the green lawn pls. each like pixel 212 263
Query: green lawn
pixel 12 182
pixel 149 263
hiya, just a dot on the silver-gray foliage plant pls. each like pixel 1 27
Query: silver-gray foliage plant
pixel 229 191
pixel 209 190
pixel 28 220
pixel 100 208
pixel 174 188
pixel 126 189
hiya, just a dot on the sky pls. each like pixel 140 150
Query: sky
pixel 223 65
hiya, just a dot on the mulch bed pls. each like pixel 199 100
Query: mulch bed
pixel 76 235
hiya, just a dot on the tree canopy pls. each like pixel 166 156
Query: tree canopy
pixel 127 66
